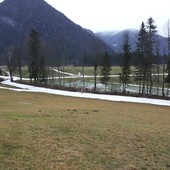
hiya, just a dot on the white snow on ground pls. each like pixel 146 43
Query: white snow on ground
pixel 70 74
pixel 29 88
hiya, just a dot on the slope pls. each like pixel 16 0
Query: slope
pixel 19 17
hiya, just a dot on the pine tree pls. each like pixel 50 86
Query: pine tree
pixel 126 60
pixel 151 30
pixel 105 70
pixel 36 60
pixel 41 69
pixel 11 60
pixel 141 68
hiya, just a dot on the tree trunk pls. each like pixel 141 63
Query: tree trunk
pixel 20 70
pixel 140 83
pixel 105 88
pixel 158 79
pixel 59 76
pixel 163 81
pixel 151 82
pixel 95 77
pixel 83 77
pixel 10 74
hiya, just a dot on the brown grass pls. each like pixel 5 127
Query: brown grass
pixel 41 131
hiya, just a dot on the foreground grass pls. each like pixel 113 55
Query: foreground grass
pixel 41 131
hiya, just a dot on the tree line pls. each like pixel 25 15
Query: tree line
pixel 151 71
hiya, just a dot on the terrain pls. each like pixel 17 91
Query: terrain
pixel 42 131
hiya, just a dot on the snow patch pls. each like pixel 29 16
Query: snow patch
pixel 114 98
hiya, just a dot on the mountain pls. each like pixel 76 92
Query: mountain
pixel 59 34
pixel 115 38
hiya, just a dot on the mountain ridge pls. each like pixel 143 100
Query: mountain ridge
pixel 115 39
pixel 19 17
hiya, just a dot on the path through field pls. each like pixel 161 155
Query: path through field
pixel 28 88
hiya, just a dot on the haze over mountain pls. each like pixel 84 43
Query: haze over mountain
pixel 115 39
pixel 61 35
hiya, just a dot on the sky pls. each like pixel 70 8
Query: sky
pixel 101 15
pixel 105 15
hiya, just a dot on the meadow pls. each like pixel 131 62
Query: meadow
pixel 42 131
pixel 90 70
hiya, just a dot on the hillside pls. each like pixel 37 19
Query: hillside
pixel 58 33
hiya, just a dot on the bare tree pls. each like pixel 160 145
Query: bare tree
pixel 158 61
pixel 166 55
pixel 167 79
pixel 82 67
pixel 11 60
pixel 96 59
pixel 163 65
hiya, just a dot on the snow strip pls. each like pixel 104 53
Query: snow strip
pixel 29 88
pixel 70 74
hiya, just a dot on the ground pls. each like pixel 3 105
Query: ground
pixel 45 131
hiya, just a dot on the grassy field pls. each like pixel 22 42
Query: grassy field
pixel 90 70
pixel 41 131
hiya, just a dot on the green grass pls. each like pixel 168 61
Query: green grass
pixel 89 70
pixel 41 131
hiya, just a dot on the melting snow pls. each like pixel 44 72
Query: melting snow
pixel 29 88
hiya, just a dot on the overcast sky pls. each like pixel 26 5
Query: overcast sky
pixel 99 15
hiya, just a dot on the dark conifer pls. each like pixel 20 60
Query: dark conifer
pixel 36 60
pixel 126 61
pixel 106 68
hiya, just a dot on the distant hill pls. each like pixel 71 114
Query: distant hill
pixel 61 35
pixel 115 38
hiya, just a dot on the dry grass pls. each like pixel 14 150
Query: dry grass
pixel 41 131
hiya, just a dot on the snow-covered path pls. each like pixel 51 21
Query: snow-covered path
pixel 28 88
pixel 56 70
